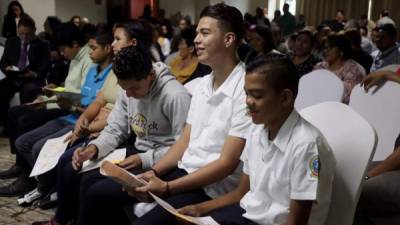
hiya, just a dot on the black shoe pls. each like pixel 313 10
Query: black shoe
pixel 13 172
pixel 48 202
pixel 19 187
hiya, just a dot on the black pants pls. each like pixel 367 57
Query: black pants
pixel 23 118
pixel 29 90
pixel 231 215
pixel 160 216
pixel 75 189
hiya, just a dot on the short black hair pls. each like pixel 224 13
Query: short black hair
pixel 68 33
pixel 54 22
pixel 230 18
pixel 279 71
pixel 141 30
pixel 104 39
pixel 133 62
pixel 354 36
pixel 89 31
pixel 389 29
pixel 27 21
pixel 342 43
pixel 188 35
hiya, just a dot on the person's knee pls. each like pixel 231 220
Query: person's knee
pixel 23 144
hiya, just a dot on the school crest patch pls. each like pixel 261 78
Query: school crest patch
pixel 314 166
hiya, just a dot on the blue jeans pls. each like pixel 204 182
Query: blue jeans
pixel 30 144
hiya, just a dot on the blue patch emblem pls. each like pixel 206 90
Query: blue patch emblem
pixel 314 166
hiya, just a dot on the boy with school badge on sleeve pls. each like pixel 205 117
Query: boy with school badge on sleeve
pixel 288 166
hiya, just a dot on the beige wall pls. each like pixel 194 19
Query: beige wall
pixel 65 9
pixel 39 10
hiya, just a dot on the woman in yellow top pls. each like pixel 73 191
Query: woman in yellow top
pixel 185 66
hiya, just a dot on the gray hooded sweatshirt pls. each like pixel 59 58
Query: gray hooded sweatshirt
pixel 157 119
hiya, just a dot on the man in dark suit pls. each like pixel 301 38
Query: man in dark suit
pixel 25 62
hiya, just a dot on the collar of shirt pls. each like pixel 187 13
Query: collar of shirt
pixel 100 76
pixel 229 86
pixel 82 52
pixel 285 132
pixel 387 52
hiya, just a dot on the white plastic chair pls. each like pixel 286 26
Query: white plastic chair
pixel 318 86
pixel 353 142
pixel 382 110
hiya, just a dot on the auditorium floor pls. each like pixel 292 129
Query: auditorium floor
pixel 8 206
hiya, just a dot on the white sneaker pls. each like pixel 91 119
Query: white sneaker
pixel 29 198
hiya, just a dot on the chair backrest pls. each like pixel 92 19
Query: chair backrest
pixel 382 110
pixel 318 86
pixel 353 142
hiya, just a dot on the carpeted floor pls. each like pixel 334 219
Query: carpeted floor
pixel 10 212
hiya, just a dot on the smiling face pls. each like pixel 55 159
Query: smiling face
pixel 209 42
pixel 121 40
pixel 263 102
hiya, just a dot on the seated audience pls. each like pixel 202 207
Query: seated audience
pixel 358 54
pixel 205 161
pixel 337 56
pixel 380 192
pixel 10 21
pixel 185 66
pixel 303 58
pixel 25 62
pixel 29 144
pixel 388 52
pixel 24 118
pixel 288 166
pixel 261 42
pixel 153 106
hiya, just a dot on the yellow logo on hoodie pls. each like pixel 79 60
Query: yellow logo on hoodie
pixel 139 124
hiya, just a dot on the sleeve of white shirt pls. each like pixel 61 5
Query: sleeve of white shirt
pixel 245 160
pixel 240 120
pixel 193 106
pixel 305 172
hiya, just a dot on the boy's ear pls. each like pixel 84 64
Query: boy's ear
pixel 134 42
pixel 75 44
pixel 230 38
pixel 108 48
pixel 287 98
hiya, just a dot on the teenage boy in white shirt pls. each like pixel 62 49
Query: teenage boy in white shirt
pixel 288 166
pixel 208 152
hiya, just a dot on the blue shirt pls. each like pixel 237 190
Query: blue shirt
pixel 93 83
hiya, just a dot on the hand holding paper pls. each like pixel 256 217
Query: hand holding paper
pixel 121 175
pixel 83 154
pixel 195 220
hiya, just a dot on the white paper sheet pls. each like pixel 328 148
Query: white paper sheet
pixel 196 220
pixel 49 155
pixel 115 156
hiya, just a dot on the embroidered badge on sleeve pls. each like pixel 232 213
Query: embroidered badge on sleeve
pixel 314 166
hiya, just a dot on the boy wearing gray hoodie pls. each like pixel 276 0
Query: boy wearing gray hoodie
pixel 153 106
